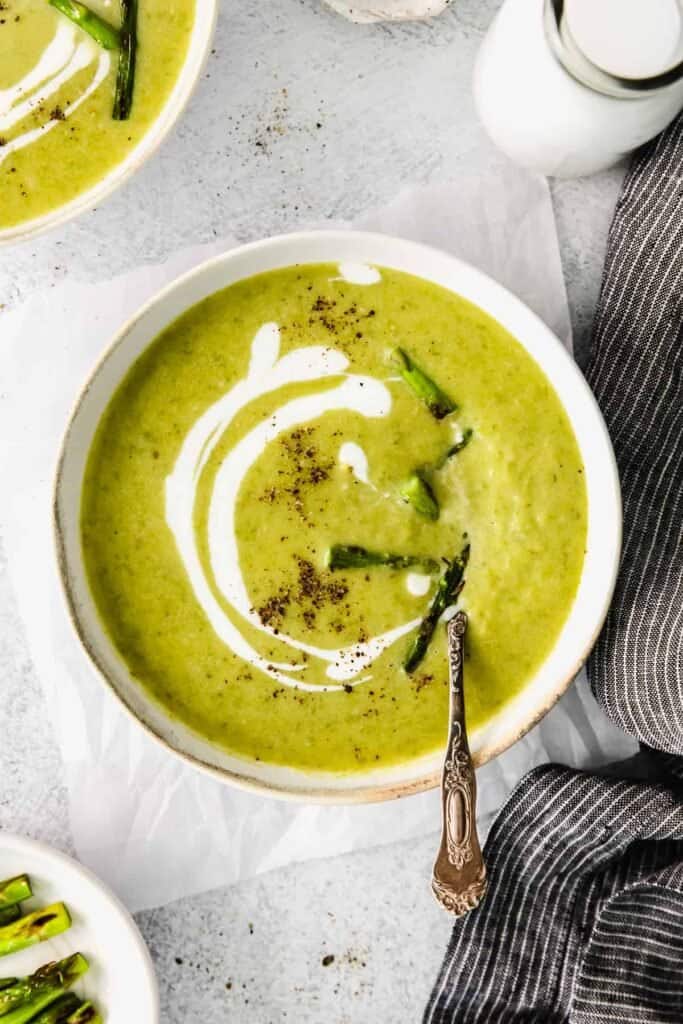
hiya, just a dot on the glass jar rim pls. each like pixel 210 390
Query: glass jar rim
pixel 580 67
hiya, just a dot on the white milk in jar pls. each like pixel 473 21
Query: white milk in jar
pixel 568 87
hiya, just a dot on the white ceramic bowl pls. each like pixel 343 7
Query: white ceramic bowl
pixel 197 52
pixel 121 980
pixel 604 511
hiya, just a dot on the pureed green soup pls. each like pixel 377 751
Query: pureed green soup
pixel 57 134
pixel 269 423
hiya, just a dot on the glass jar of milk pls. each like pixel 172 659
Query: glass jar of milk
pixel 568 87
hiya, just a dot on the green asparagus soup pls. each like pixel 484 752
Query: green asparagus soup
pixel 58 135
pixel 284 482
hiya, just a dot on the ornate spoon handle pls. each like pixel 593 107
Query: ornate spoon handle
pixel 459 876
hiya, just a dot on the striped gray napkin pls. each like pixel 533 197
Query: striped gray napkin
pixel 583 923
pixel 636 669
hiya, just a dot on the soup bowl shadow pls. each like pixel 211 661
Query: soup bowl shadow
pixel 197 52
pixel 603 543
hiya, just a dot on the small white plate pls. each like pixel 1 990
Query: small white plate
pixel 121 980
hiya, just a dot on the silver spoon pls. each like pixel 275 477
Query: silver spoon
pixel 459 876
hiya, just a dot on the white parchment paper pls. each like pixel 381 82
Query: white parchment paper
pixel 150 826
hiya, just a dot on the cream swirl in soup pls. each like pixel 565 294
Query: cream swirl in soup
pixel 267 374
pixel 66 55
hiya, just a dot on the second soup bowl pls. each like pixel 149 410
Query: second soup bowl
pixel 63 148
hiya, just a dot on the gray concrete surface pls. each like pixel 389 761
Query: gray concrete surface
pixel 300 116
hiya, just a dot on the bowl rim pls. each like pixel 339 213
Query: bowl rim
pixel 365 792
pixel 186 82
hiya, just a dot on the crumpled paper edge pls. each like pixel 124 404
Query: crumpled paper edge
pixel 365 13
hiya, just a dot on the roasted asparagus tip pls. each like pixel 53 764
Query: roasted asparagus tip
pixel 26 997
pixel 436 400
pixel 459 445
pixel 125 77
pixel 100 30
pixel 449 586
pixel 352 556
pixel 418 493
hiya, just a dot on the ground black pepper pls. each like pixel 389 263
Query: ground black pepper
pixel 311 592
pixel 421 681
